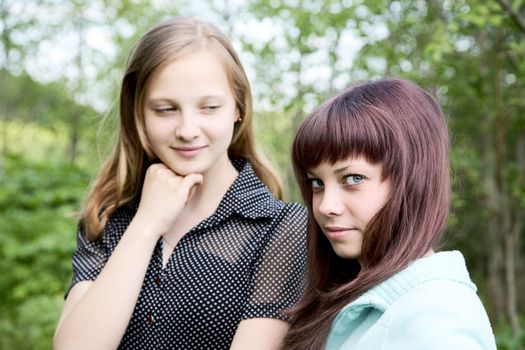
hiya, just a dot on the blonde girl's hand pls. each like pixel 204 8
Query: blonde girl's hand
pixel 164 194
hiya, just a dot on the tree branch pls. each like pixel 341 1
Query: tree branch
pixel 519 20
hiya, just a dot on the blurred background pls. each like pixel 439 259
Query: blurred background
pixel 60 68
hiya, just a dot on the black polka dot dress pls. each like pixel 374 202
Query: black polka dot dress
pixel 245 261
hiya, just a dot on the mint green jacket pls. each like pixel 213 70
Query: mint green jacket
pixel 432 304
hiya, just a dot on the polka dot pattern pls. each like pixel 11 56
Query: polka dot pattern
pixel 246 261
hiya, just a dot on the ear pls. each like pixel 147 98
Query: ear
pixel 237 115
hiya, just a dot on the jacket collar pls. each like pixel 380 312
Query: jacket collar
pixel 448 265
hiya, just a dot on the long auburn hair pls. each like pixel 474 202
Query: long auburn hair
pixel 396 124
pixel 120 180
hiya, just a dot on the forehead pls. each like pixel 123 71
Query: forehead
pixel 195 63
pixel 198 71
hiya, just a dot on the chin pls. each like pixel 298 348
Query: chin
pixel 183 170
pixel 346 253
pixel 186 171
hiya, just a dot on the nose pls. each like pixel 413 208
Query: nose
pixel 188 128
pixel 331 203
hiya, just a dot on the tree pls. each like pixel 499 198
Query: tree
pixel 14 21
pixel 302 60
pixel 471 56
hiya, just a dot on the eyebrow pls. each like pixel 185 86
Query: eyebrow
pixel 160 99
pixel 342 170
pixel 170 100
pixel 337 171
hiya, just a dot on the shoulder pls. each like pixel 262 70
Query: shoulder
pixel 293 210
pixel 443 298
pixel 290 216
pixel 283 230
pixel 254 199
pixel 444 313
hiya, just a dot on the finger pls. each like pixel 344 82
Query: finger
pixel 189 182
pixel 192 191
pixel 154 171
pixel 156 167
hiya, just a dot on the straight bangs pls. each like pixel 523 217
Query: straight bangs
pixel 341 129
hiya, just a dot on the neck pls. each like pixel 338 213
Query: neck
pixel 204 201
pixel 215 184
pixel 429 253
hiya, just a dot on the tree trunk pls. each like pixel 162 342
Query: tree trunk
pixel 334 71
pixel 5 144
pixel 510 279
pixel 494 250
pixel 517 218
pixel 6 43
pixel 74 134
pixel 501 128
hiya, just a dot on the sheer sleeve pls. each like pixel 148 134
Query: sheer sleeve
pixel 90 257
pixel 279 275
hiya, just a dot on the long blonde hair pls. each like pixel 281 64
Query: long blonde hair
pixel 120 180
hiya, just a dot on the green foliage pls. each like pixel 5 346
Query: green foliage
pixel 52 143
pixel 277 149
pixel 28 105
pixel 37 225
pixel 505 339
pixel 469 53
pixel 46 104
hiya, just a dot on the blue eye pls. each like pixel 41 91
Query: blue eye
pixel 316 184
pixel 353 179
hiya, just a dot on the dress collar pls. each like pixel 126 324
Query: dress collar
pixel 248 196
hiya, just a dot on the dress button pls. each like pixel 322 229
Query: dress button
pixel 157 280
pixel 150 319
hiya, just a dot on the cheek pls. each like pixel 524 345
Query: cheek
pixel 144 137
pixel 158 129
pixel 220 129
pixel 367 213
pixel 371 206
pixel 149 125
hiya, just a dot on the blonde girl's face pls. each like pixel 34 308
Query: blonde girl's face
pixel 190 113
pixel 346 196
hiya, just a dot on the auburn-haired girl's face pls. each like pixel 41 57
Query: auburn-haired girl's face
pixel 346 195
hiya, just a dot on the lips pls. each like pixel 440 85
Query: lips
pixel 337 232
pixel 188 152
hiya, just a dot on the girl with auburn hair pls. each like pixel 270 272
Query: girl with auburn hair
pixel 184 242
pixel 373 168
